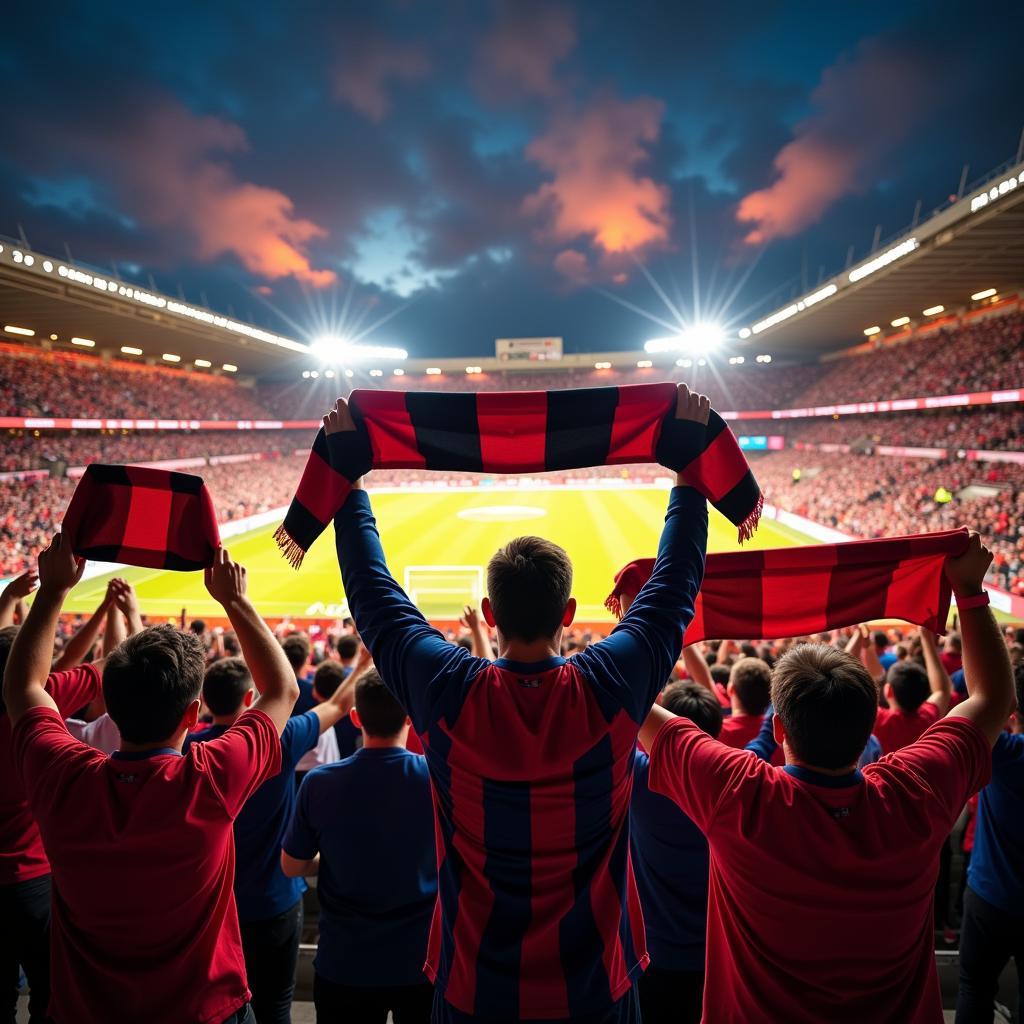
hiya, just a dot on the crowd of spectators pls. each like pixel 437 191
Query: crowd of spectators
pixel 877 496
pixel 38 383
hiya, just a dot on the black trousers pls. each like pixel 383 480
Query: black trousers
pixel 671 997
pixel 242 1016
pixel 625 1011
pixel 989 937
pixel 25 941
pixel 346 1004
pixel 271 951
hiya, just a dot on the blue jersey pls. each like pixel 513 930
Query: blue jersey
pixel 996 871
pixel 371 819
pixel 532 770
pixel 670 858
pixel 262 890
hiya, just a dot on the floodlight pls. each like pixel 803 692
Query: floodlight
pixel 700 337
pixel 330 348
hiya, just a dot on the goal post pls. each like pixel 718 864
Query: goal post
pixel 442 591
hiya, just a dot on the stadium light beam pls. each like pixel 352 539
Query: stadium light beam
pixel 331 348
pixel 83 342
pixel 699 338
pixel 986 293
pixel 29 333
pixel 933 310
pixel 131 350
pixel 900 321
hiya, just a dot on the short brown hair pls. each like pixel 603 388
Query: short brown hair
pixel 751 680
pixel 688 699
pixel 379 712
pixel 826 701
pixel 296 650
pixel 529 582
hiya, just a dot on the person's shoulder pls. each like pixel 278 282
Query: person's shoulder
pixel 929 711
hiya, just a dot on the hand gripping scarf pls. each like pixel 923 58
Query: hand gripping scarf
pixel 784 592
pixel 518 432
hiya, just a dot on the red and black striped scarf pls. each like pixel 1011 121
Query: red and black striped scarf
pixel 786 592
pixel 141 516
pixel 518 432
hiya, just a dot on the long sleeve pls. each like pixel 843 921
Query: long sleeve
pixel 636 660
pixel 415 661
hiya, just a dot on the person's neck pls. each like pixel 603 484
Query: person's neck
pixel 738 710
pixel 530 652
pixel 834 772
pixel 172 743
pixel 382 742
pixel 227 719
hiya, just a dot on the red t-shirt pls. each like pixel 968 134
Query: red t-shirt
pixel 896 729
pixel 143 925
pixel 821 890
pixel 21 849
pixel 739 730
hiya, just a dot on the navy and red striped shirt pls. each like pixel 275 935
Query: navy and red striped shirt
pixel 531 767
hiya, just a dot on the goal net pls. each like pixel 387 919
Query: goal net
pixel 442 591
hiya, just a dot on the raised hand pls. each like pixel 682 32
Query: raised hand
pixel 339 418
pixel 23 585
pixel 225 580
pixel 966 572
pixel 692 406
pixel 59 568
pixel 470 617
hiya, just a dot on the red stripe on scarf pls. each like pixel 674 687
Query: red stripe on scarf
pixel 321 490
pixel 149 518
pixel 717 470
pixel 392 434
pixel 637 421
pixel 512 430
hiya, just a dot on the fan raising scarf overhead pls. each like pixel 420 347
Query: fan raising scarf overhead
pixel 518 432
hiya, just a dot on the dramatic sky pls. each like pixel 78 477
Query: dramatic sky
pixel 435 175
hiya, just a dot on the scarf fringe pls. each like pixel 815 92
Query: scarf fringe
pixel 612 604
pixel 749 525
pixel 289 547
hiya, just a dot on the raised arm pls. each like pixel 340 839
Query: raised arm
pixel 339 704
pixel 77 649
pixel 115 631
pixel 478 632
pixel 414 659
pixel 697 668
pixel 987 669
pixel 28 664
pixel 271 673
pixel 938 678
pixel 637 658
pixel 15 591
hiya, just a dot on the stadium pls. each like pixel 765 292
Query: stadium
pixel 597 860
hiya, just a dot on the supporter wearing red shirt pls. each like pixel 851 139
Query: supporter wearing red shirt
pixel 144 926
pixel 24 869
pixel 749 694
pixel 822 877
pixel 917 697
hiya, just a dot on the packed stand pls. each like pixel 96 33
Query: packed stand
pixel 38 383
pixel 877 496
pixel 582 843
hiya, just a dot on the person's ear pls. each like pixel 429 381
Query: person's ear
pixel 887 692
pixel 191 716
pixel 777 731
pixel 356 721
pixel 408 721
pixel 570 613
pixel 248 699
pixel 488 612
pixel 729 688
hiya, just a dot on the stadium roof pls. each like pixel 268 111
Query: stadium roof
pixel 48 296
pixel 974 245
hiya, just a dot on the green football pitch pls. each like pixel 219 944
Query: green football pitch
pixel 437 545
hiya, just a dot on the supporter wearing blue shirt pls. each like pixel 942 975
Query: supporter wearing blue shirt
pixel 269 903
pixel 886 657
pixel 328 677
pixel 365 827
pixel 993 924
pixel 670 860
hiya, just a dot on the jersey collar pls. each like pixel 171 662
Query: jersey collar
pixel 808 775
pixel 527 668
pixel 142 755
